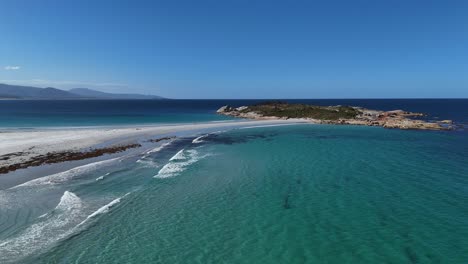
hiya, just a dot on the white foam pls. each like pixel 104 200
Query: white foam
pixel 178 156
pixel 148 163
pixel 143 160
pixel 157 149
pixel 170 169
pixel 66 175
pixel 102 177
pixel 179 163
pixel 69 201
pixel 104 209
pixel 50 228
pixel 199 139
pixel 42 215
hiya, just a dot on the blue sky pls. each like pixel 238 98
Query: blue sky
pixel 239 49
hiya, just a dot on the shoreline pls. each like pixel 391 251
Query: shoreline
pixel 22 149
pixel 113 126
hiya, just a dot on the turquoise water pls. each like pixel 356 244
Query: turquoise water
pixel 286 194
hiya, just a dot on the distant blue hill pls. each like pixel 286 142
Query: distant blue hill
pixel 28 92
pixel 85 92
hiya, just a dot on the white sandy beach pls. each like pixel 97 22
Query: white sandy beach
pixel 39 142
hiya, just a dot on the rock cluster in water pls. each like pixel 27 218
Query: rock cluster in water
pixel 57 157
pixel 398 119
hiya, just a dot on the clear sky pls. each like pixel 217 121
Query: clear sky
pixel 239 49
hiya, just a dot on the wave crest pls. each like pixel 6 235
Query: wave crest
pixel 66 175
pixel 179 163
pixel 50 228
pixel 199 139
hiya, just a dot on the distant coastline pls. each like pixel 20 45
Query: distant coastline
pixel 18 92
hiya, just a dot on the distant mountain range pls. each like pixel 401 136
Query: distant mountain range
pixel 28 92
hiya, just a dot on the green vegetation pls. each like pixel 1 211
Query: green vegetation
pixel 282 109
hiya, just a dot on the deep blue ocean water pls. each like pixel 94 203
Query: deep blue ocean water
pixel 35 113
pixel 285 194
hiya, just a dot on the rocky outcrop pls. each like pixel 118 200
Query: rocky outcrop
pixel 57 157
pixel 224 109
pixel 397 119
pixel 244 112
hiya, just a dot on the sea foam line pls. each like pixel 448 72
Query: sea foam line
pixel 102 177
pixel 179 163
pixel 148 163
pixel 268 126
pixel 50 228
pixel 102 210
pixel 61 177
pixel 199 139
pixel 178 156
pixel 159 148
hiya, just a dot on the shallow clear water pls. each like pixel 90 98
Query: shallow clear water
pixel 286 194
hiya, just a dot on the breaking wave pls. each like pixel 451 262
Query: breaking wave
pixel 148 153
pixel 50 228
pixel 157 149
pixel 66 219
pixel 148 163
pixel 104 209
pixel 179 163
pixel 199 139
pixel 66 175
pixel 102 177
pixel 178 156
pixel 69 201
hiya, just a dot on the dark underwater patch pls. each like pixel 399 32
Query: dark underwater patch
pixel 411 255
pixel 236 139
pixel 287 199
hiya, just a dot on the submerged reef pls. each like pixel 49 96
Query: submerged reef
pixel 57 157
